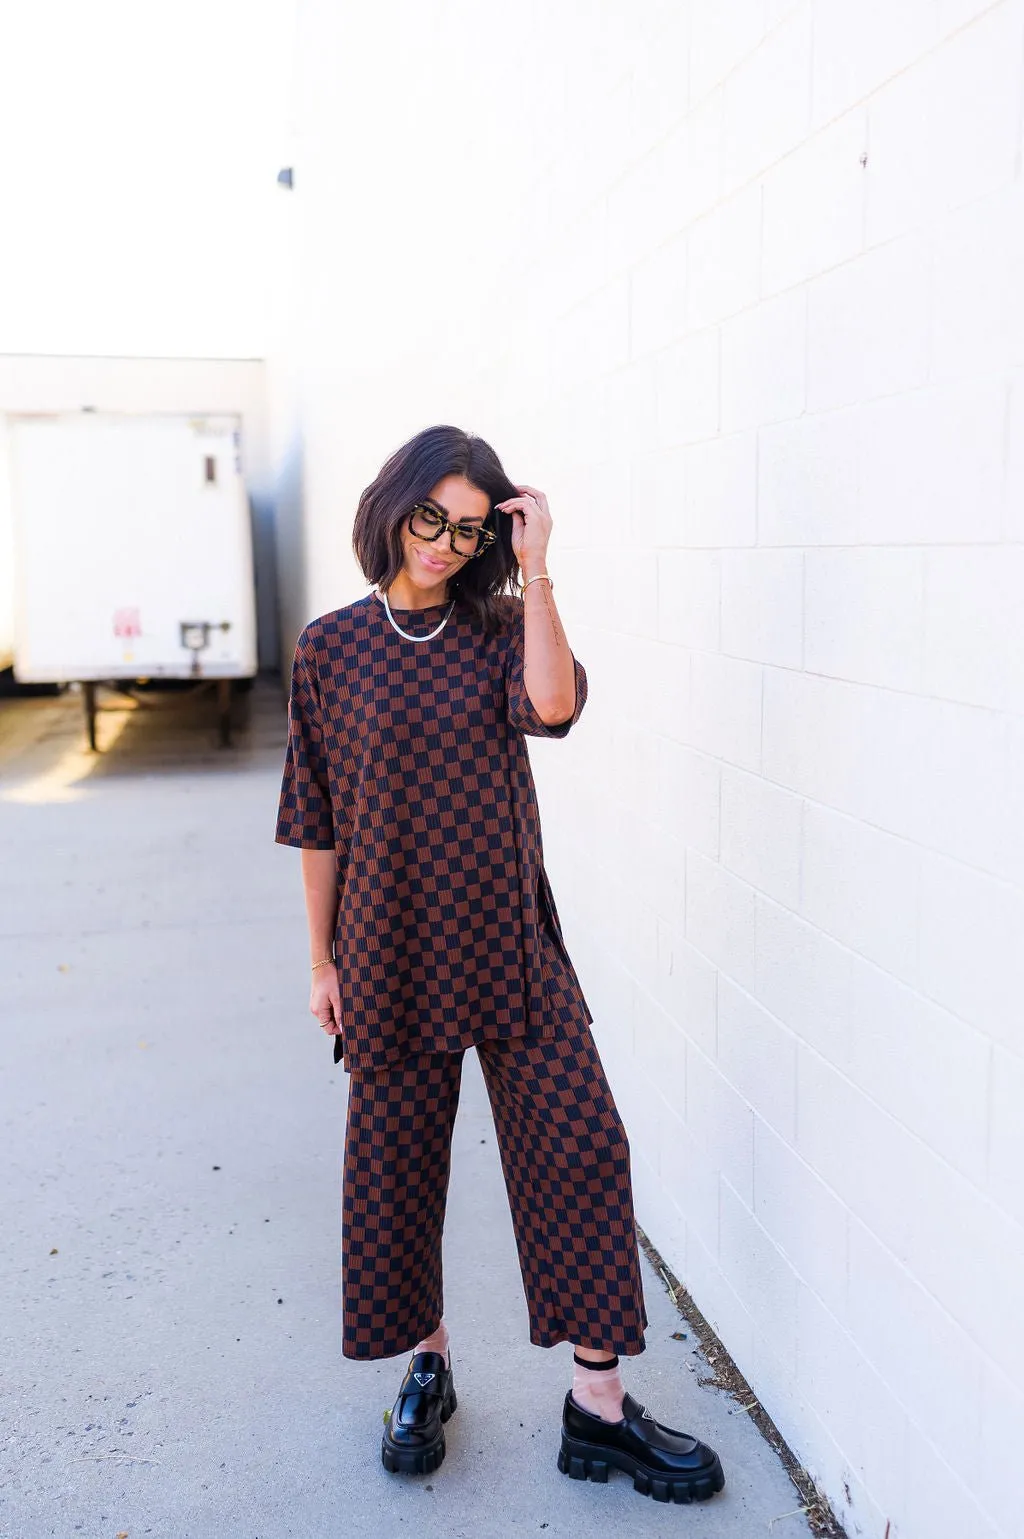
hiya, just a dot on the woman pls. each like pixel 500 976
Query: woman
pixel 433 928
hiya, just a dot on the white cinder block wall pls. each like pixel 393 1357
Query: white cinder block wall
pixel 741 286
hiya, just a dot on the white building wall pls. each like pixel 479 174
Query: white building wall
pixel 740 287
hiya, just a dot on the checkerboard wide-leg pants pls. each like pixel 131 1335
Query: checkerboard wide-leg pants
pixel 565 1157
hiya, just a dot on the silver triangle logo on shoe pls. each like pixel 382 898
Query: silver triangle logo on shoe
pixel 423 1378
pixel 645 1413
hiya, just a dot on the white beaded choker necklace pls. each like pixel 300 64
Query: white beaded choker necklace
pixel 430 634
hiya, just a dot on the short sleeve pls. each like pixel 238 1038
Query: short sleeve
pixel 520 708
pixel 304 816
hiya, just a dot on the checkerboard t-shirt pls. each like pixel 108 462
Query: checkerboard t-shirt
pixel 409 760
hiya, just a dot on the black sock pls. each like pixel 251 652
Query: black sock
pixel 612 1362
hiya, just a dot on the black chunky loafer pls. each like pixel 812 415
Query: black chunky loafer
pixel 670 1466
pixel 414 1433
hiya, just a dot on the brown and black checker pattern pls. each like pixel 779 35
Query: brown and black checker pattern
pixel 409 760
pixel 566 1161
pixel 394 1188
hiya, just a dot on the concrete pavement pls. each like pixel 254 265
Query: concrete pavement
pixel 173 1126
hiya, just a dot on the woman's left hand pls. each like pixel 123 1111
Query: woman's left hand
pixel 531 528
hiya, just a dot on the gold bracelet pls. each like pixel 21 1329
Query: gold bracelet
pixel 326 962
pixel 537 578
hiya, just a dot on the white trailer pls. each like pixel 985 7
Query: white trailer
pixel 132 552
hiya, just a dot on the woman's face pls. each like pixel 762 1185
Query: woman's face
pixel 430 562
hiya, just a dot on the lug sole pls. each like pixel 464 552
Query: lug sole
pixel 592 1461
pixel 418 1461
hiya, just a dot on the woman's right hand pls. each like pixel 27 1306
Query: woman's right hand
pixel 325 1000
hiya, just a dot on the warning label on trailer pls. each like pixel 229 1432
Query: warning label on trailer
pixel 127 623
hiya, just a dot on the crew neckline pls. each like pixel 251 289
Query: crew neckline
pixel 428 609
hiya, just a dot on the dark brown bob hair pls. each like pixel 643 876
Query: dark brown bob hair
pixel 406 478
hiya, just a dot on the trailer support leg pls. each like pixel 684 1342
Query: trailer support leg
pixel 89 700
pixel 224 710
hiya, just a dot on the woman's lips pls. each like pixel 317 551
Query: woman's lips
pixel 430 564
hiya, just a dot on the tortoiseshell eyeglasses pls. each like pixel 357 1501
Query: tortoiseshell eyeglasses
pixel 428 522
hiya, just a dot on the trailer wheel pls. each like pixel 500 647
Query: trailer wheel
pixel 9 686
pixel 224 711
